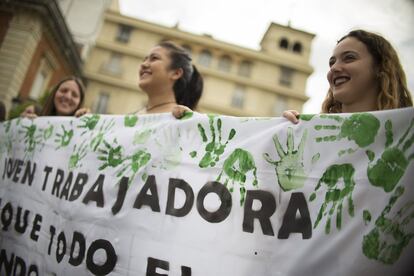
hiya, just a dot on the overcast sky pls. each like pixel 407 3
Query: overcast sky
pixel 243 22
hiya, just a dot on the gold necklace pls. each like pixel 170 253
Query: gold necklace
pixel 158 105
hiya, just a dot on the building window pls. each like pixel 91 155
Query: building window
pixel 101 105
pixel 124 33
pixel 224 64
pixel 245 68
pixel 237 99
pixel 42 77
pixel 297 47
pixel 283 43
pixel 38 85
pixel 280 105
pixel 113 66
pixel 205 58
pixel 286 76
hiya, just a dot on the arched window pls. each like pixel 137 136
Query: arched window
pixel 224 63
pixel 283 43
pixel 297 47
pixel 205 58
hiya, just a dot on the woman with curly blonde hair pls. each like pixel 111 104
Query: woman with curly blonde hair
pixel 365 75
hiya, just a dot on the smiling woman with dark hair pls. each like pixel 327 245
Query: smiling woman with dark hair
pixel 169 79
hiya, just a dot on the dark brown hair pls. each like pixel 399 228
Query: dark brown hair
pixel 189 88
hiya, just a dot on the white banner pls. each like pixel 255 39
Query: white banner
pixel 208 195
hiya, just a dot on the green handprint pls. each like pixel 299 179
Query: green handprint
pixel 112 156
pixel 289 169
pixel 148 126
pixel 133 164
pixel 47 132
pixel 77 155
pixel 63 139
pixel 89 122
pixel 8 125
pixel 98 137
pixel 235 167
pixel 142 136
pixel 390 236
pixel 171 150
pixel 306 117
pixel 31 138
pixel 215 148
pixel 387 171
pixel 361 128
pixel 130 120
pixel 6 142
pixel 334 194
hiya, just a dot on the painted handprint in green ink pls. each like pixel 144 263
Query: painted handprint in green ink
pixel 31 138
pixel 110 155
pixel 8 125
pixel 7 140
pixel 148 125
pixel 78 154
pixel 98 137
pixel 89 122
pixel 387 171
pixel 387 240
pixel 168 144
pixel 142 136
pixel 130 120
pixel 235 168
pixel 63 139
pixel 215 147
pixel 133 164
pixel 361 128
pixel 335 195
pixel 48 132
pixel 306 117
pixel 289 169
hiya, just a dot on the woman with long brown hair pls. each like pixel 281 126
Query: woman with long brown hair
pixel 365 75
pixel 65 99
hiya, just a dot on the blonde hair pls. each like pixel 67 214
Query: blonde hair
pixel 393 91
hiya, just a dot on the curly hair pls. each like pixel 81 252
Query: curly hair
pixel 393 91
